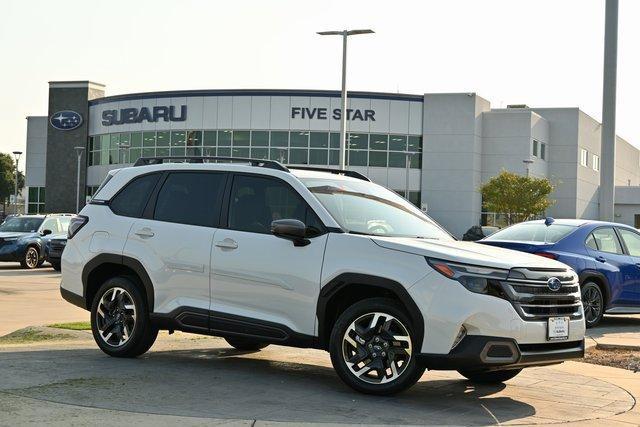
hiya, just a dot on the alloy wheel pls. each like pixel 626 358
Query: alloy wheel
pixel 376 348
pixel 31 257
pixel 592 303
pixel 116 317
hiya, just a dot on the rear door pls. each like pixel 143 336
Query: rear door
pixel 609 256
pixel 631 240
pixel 173 242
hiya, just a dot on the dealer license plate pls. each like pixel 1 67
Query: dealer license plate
pixel 558 328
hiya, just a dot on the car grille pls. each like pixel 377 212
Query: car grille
pixel 528 291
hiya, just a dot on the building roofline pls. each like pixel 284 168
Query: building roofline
pixel 258 92
pixel 75 84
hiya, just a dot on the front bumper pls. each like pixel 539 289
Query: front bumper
pixel 476 352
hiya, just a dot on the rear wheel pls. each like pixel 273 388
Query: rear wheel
pixel 31 258
pixel 490 377
pixel 245 344
pixel 372 347
pixel 120 319
pixel 593 304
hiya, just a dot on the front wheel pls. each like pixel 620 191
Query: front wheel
pixel 593 304
pixel 120 319
pixel 372 347
pixel 490 377
pixel 31 258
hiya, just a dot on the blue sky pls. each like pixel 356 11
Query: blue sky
pixel 543 53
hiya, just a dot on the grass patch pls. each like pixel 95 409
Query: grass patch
pixel 72 326
pixel 31 335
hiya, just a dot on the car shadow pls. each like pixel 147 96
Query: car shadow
pixel 225 383
pixel 616 324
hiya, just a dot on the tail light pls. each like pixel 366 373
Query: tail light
pixel 547 255
pixel 76 223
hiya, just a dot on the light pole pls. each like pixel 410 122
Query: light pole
pixel 343 114
pixel 527 164
pixel 16 154
pixel 79 151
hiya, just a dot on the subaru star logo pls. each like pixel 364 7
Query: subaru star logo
pixel 66 120
pixel 554 284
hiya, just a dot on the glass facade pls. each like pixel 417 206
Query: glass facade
pixel 291 147
pixel 36 200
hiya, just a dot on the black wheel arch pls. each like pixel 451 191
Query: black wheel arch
pixel 348 288
pixel 598 278
pixel 105 266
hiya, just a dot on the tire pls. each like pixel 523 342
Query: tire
pixel 392 364
pixel 123 329
pixel 490 377
pixel 31 258
pixel 592 303
pixel 245 344
pixel 56 266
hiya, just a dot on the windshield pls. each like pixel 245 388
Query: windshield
pixel 362 207
pixel 533 232
pixel 21 225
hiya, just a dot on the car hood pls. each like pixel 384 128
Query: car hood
pixel 8 234
pixel 467 253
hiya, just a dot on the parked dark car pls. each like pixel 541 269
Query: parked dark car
pixel 53 247
pixel 21 237
pixel 605 255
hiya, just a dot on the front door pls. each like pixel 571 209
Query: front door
pixel 631 240
pixel 261 277
pixel 611 260
pixel 174 242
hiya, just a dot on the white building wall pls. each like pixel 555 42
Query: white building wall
pixel 36 153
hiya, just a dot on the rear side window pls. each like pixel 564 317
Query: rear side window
pixel 132 199
pixel 607 240
pixel 191 198
pixel 533 232
pixel 591 242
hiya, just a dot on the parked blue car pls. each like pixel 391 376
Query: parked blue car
pixel 22 237
pixel 605 255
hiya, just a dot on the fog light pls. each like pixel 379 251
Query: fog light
pixel 461 334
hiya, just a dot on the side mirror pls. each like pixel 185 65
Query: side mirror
pixel 46 232
pixel 290 229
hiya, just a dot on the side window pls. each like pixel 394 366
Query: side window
pixel 607 240
pixel 64 223
pixel 132 199
pixel 50 224
pixel 192 198
pixel 591 242
pixel 255 202
pixel 631 240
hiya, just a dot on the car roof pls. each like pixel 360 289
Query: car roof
pixel 578 222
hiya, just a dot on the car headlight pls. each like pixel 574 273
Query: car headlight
pixel 481 280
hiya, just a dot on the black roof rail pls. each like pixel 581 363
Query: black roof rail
pixel 270 164
pixel 351 174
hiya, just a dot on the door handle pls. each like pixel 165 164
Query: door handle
pixel 227 244
pixel 145 232
pixel 601 259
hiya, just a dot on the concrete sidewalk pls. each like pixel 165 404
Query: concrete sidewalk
pixel 191 380
pixel 622 332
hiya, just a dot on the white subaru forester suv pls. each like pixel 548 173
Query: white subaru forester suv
pixel 259 254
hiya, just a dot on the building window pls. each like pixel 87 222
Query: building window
pixel 414 196
pixel 543 151
pixel 535 148
pixel 596 162
pixel 584 157
pixel 36 200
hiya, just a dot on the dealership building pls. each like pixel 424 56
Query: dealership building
pixel 437 148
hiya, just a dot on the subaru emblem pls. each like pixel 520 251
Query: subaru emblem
pixel 66 120
pixel 554 284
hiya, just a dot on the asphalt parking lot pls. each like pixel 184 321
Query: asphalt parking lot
pixel 195 380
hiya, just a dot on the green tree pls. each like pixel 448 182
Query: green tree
pixel 7 178
pixel 517 196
